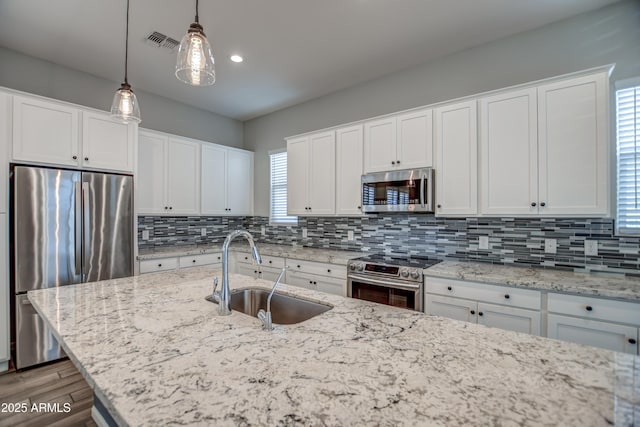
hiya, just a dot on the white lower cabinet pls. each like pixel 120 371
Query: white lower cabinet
pixel 186 261
pixel 314 282
pixel 490 305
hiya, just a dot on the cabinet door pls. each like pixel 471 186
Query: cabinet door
pixel 592 332
pixel 239 182
pixel 573 139
pixel 107 144
pixel 452 308
pixel 45 132
pixel 301 280
pixel 509 153
pixel 331 286
pixel 183 177
pixel 214 180
pixel 151 177
pixel 271 274
pixel 322 174
pixel 509 318
pixel 297 176
pixel 349 170
pixel 380 145
pixel 247 270
pixel 457 157
pixel 415 140
pixel 4 290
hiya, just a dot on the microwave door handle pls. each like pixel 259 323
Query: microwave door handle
pixel 423 189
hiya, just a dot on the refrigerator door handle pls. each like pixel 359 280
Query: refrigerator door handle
pixel 86 231
pixel 78 229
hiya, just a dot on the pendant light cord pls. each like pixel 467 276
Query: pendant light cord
pixel 197 12
pixel 126 47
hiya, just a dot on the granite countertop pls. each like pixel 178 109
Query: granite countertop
pixel 589 284
pixel 330 256
pixel 156 353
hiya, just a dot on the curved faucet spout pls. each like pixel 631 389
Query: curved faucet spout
pixel 224 304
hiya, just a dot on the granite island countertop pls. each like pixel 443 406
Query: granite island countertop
pixel 607 285
pixel 156 353
pixel 329 256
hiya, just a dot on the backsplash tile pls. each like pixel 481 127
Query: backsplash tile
pixel 515 241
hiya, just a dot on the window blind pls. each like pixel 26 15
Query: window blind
pixel 278 211
pixel 628 157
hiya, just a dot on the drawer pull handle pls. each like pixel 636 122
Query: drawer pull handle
pixel 506 296
pixel 159 265
pixel 632 341
pixel 589 308
pixel 311 282
pixel 328 270
pixel 315 283
pixel 480 313
pixel 246 257
pixel 449 288
pixel 193 260
pixel 473 312
pixel 298 266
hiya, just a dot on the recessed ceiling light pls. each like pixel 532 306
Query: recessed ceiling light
pixel 236 58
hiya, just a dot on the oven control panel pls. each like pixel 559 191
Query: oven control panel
pixel 404 273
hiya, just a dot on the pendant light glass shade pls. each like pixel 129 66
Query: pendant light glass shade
pixel 195 64
pixel 124 107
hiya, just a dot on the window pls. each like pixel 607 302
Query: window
pixel 628 136
pixel 278 210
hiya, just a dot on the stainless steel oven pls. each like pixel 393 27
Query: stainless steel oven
pixel 395 281
pixel 408 190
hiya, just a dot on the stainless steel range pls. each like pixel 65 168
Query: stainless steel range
pixel 388 280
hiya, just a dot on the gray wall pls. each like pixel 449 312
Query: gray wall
pixel 33 75
pixel 608 35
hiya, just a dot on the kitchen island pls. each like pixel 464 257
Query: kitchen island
pixel 156 353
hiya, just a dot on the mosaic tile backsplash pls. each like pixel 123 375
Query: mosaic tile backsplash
pixel 515 241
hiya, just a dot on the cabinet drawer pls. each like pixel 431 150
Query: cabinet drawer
pixel 160 264
pixel 504 295
pixel 595 308
pixel 317 268
pixel 272 261
pixel 607 335
pixel 201 259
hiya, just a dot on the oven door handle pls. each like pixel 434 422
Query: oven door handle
pixel 387 283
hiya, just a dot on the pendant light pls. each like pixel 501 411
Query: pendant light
pixel 195 65
pixel 125 104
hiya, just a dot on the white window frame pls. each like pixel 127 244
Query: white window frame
pixel 278 218
pixel 627 137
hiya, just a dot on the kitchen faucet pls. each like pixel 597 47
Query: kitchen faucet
pixel 223 298
pixel 265 316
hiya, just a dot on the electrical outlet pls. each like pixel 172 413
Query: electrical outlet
pixel 145 234
pixel 350 235
pixel 263 230
pixel 203 232
pixel 550 246
pixel 483 242
pixel 304 233
pixel 591 247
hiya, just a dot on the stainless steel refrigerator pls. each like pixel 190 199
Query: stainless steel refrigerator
pixel 68 227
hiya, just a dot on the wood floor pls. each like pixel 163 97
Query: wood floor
pixel 59 383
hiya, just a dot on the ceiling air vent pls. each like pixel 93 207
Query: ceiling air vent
pixel 159 40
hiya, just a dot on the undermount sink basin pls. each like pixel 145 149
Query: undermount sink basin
pixel 285 309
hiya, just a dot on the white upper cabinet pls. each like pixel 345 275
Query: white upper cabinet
pixel 168 175
pixel 509 153
pixel 50 132
pixel 349 170
pixel 399 142
pixel 457 157
pixel 573 146
pixel 311 174
pixel 45 132
pixel 107 144
pixel 227 181
pixel 5 143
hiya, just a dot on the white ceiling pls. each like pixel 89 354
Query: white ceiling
pixel 294 50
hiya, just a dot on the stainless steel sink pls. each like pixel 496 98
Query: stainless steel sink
pixel 285 309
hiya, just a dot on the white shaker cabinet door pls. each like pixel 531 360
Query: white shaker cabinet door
pixel 509 153
pixel 509 318
pixel 322 174
pixel 239 182
pixel 183 177
pixel 573 146
pixel 298 176
pixel 349 171
pixel 45 132
pixel 107 144
pixel 214 180
pixel 452 308
pixel 607 335
pixel 380 145
pixel 457 158
pixel 415 140
pixel 151 177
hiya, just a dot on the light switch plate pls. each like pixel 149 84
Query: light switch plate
pixel 483 243
pixel 304 233
pixel 591 247
pixel 350 235
pixel 550 246
pixel 145 234
pixel 263 230
pixel 203 232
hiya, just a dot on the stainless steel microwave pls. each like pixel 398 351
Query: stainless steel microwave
pixel 409 190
